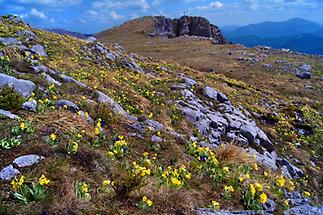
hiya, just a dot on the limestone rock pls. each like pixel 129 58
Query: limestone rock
pixel 30 105
pixel 27 160
pixel 8 114
pixel 39 50
pixel 8 173
pixel 71 106
pixel 23 87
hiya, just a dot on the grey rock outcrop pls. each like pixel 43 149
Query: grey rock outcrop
pixel 218 120
pixel 30 105
pixel 39 50
pixel 7 114
pixel 23 87
pixel 305 210
pixel 186 25
pixel 8 173
pixel 71 106
pixel 27 160
pixel 10 41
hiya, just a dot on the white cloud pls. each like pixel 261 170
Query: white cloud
pixel 117 4
pixel 52 3
pixel 115 16
pixel 212 5
pixel 36 13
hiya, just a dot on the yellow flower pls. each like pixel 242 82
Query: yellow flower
pixel 215 204
pixel 106 182
pixel 17 183
pixel 286 202
pixel 149 203
pixel 263 198
pixel 65 107
pixel 229 188
pixel 110 154
pixel 97 131
pixel 265 174
pixel 150 115
pixel 75 146
pixel 144 199
pixel 43 181
pixel 84 188
pixel 226 169
pixel 188 176
pixel 258 186
pixel 247 176
pixel 176 182
pixel 145 154
pixel 241 179
pixel 255 166
pixel 22 126
pixel 307 194
pixel 53 136
pixel 280 181
pixel 79 136
pixel 252 189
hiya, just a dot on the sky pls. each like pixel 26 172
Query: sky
pixel 94 16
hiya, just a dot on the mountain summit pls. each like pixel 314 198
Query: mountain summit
pixel 186 26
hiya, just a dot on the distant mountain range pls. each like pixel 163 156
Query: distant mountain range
pixel 295 34
pixel 71 33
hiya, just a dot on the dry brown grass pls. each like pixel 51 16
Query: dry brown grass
pixel 63 122
pixel 232 154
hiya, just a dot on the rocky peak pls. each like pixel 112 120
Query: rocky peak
pixel 187 26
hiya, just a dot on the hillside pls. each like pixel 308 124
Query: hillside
pixel 234 61
pixel 88 128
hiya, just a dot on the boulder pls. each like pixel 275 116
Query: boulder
pixel 39 50
pixel 8 173
pixel 91 39
pixel 27 160
pixel 30 105
pixel 289 170
pixel 305 68
pixel 305 210
pixel 207 211
pixel 213 94
pixel 23 87
pixel 10 41
pixel 156 139
pixel 249 132
pixel 51 80
pixel 71 106
pixel 304 75
pixel 8 114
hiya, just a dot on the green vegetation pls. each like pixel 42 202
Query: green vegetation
pixel 10 99
pixel 96 162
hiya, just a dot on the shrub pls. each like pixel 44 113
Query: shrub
pixel 10 99
pixel 5 65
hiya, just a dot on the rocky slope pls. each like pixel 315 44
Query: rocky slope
pixel 186 26
pixel 89 128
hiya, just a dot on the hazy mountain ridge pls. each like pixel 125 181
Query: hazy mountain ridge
pixel 71 33
pixel 295 34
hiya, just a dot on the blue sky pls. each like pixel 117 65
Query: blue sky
pixel 94 16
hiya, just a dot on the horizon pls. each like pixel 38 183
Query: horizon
pixel 95 16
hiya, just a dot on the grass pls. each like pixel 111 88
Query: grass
pixel 148 97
